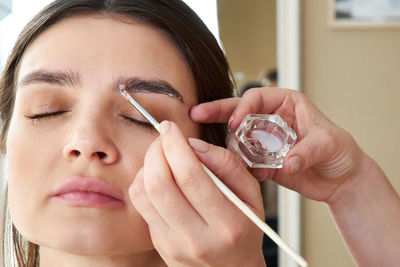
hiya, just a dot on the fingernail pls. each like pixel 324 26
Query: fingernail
pixel 192 112
pixel 230 121
pixel 199 145
pixel 295 164
pixel 164 127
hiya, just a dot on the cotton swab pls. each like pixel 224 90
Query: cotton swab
pixel 226 191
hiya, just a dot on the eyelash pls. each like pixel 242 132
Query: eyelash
pixel 47 116
pixel 139 123
pixel 50 115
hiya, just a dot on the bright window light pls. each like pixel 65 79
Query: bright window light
pixel 11 26
pixel 208 12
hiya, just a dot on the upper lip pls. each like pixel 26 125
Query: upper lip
pixel 88 184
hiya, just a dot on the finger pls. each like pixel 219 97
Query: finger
pixel 165 196
pixel 231 171
pixel 258 173
pixel 143 205
pixel 319 145
pixel 265 101
pixel 189 175
pixel 231 146
pixel 218 111
pixel 262 174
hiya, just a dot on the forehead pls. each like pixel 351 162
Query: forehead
pixel 100 48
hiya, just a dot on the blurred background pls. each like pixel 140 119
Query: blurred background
pixel 351 71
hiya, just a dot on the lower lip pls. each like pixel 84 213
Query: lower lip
pixel 88 199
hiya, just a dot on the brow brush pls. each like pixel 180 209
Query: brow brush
pixel 225 190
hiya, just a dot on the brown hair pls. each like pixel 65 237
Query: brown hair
pixel 203 54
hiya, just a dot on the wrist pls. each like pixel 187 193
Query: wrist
pixel 365 208
pixel 359 183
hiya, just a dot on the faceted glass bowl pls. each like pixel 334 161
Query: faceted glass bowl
pixel 263 140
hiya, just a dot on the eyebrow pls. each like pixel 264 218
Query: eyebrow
pixel 134 84
pixel 74 79
pixel 64 78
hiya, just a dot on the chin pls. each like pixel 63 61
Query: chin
pixel 92 237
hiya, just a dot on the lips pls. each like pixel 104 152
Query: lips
pixel 87 192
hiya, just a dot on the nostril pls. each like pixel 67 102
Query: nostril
pixel 101 155
pixel 76 153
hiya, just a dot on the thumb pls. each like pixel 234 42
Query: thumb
pixel 230 170
pixel 316 147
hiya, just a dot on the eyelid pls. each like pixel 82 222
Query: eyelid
pixel 142 123
pixel 48 108
pixel 128 110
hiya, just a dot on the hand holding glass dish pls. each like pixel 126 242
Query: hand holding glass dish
pixel 258 134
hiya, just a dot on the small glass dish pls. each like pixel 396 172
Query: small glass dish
pixel 263 140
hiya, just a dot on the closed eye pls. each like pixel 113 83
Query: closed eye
pixel 46 115
pixel 50 115
pixel 144 124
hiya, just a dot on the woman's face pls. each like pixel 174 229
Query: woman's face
pixel 75 145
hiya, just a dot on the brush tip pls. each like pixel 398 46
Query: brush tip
pixel 123 92
pixel 121 88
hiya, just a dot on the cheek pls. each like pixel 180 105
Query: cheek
pixel 190 129
pixel 132 146
pixel 19 161
pixel 18 165
pixel 181 117
pixel 28 163
pixel 28 154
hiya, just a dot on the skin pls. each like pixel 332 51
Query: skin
pixel 325 164
pixel 41 152
pixel 172 214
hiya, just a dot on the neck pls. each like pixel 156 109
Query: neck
pixel 51 257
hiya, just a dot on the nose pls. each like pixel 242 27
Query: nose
pixel 91 143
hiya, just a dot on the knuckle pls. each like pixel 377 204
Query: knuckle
pixel 299 95
pixel 296 95
pixel 249 93
pixel 199 252
pixel 172 252
pixel 136 189
pixel 254 94
pixel 175 255
pixel 135 192
pixel 227 158
pixel 330 138
pixel 308 153
pixel 230 161
pixel 232 235
pixel 297 98
pixel 188 179
pixel 154 187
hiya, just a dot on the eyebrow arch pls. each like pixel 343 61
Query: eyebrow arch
pixel 135 84
pixel 64 78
